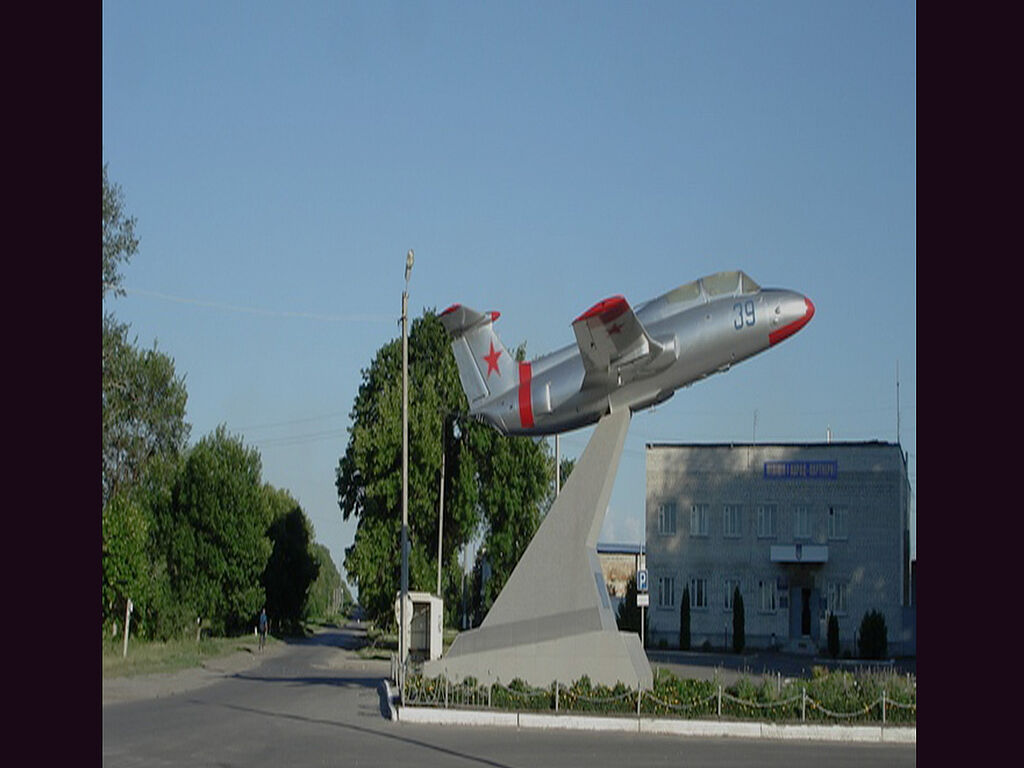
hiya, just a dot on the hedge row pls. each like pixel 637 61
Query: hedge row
pixel 828 696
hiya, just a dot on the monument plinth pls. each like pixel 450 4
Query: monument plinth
pixel 553 620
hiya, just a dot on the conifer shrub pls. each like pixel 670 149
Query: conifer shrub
pixel 684 621
pixel 833 636
pixel 872 642
pixel 739 639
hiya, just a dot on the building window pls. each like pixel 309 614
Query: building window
pixel 766 521
pixel 666 591
pixel 766 589
pixel 667 519
pixel 802 523
pixel 698 593
pixel 699 520
pixel 837 598
pixel 837 522
pixel 732 513
pixel 731 585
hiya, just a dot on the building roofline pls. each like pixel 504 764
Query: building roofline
pixel 610 548
pixel 833 444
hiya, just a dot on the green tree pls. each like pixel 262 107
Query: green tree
pixel 291 567
pixel 215 538
pixel 119 240
pixel 124 561
pixel 143 414
pixel 513 475
pixel 833 636
pixel 739 637
pixel 322 601
pixel 872 642
pixel 490 480
pixel 144 434
pixel 628 616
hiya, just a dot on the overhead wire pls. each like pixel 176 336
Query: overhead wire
pixel 349 318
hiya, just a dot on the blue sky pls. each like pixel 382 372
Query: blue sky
pixel 281 158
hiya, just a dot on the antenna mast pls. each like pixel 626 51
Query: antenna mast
pixel 897 402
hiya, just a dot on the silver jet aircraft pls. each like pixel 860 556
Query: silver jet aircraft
pixel 623 358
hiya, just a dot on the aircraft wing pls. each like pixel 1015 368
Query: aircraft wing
pixel 609 334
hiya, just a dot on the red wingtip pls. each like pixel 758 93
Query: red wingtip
pixel 452 308
pixel 608 309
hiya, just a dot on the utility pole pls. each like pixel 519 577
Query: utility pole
pixel 558 469
pixel 897 402
pixel 127 625
pixel 440 515
pixel 403 641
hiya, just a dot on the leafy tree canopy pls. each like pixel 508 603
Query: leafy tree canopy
pixel 119 240
pixel 217 548
pixel 499 483
pixel 291 568
pixel 143 409
pixel 327 593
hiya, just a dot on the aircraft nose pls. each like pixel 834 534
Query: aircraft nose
pixel 797 311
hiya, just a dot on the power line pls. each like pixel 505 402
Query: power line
pixel 353 318
pixel 305 420
pixel 290 440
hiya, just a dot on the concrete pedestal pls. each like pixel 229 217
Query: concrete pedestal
pixel 553 620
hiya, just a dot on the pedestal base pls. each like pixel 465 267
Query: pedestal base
pixel 553 619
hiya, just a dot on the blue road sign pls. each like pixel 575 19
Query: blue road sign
pixel 641 580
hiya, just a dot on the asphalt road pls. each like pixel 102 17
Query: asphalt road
pixel 315 703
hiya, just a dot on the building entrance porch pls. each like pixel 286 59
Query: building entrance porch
pixel 804 611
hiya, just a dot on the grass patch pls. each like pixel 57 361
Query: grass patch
pixel 146 657
pixel 379 645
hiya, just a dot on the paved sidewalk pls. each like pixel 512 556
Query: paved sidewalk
pixel 139 687
pixel 158 684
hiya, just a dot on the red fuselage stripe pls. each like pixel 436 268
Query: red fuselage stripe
pixel 525 404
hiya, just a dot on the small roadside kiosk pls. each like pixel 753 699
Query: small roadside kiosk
pixel 424 617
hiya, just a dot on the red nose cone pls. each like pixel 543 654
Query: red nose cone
pixel 788 330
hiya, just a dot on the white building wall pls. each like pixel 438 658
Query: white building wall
pixel 868 480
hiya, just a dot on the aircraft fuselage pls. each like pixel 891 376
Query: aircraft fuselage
pixel 687 335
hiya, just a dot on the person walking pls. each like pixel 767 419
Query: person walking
pixel 263 628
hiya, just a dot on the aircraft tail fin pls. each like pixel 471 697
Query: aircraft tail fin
pixel 485 366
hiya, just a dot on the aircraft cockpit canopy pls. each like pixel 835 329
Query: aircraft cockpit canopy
pixel 729 283
pixel 699 292
pixel 734 282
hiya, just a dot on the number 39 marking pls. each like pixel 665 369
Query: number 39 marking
pixel 744 314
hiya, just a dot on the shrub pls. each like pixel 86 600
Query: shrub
pixel 833 636
pixel 684 621
pixel 739 638
pixel 831 696
pixel 872 642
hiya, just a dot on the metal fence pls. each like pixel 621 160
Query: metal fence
pixel 702 701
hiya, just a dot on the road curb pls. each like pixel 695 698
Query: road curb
pixel 658 726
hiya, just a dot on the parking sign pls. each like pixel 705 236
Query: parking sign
pixel 641 580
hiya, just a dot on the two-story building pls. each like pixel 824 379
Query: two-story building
pixel 804 530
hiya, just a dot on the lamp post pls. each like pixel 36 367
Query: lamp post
pixel 403 641
pixel 440 511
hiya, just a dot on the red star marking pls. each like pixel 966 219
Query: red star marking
pixel 492 361
pixel 613 329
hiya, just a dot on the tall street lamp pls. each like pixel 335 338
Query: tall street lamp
pixel 403 640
